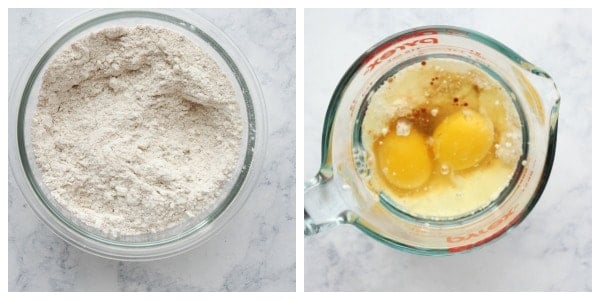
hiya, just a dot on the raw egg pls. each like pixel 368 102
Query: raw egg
pixel 404 160
pixel 463 139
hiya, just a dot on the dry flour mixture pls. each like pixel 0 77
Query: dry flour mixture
pixel 136 130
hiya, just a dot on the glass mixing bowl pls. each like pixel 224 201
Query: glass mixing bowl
pixel 24 97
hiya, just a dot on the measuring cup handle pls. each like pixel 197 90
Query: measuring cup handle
pixel 323 208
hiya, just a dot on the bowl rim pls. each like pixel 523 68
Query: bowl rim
pixel 246 178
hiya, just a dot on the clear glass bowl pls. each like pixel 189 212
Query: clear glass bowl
pixel 23 100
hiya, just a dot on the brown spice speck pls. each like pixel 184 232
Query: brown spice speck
pixel 423 63
pixel 455 99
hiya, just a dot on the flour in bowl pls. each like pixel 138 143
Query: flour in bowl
pixel 136 130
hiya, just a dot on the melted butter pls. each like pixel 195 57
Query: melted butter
pixel 445 139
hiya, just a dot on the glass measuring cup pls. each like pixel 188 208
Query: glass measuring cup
pixel 338 194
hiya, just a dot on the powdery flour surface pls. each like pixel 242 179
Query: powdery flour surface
pixel 136 130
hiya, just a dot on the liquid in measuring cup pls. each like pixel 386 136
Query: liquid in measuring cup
pixel 442 137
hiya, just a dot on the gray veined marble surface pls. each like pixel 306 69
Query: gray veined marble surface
pixel 552 249
pixel 254 252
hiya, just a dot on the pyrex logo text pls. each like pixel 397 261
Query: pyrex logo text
pixel 387 53
pixel 491 227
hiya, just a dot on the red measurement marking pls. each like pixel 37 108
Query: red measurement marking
pixel 398 45
pixel 482 232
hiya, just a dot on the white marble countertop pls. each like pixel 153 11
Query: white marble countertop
pixel 256 252
pixel 552 249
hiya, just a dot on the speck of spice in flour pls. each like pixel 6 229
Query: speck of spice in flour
pixel 136 130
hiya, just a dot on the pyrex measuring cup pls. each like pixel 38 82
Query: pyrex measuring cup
pixel 338 193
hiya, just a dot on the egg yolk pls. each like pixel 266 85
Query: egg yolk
pixel 404 161
pixel 463 139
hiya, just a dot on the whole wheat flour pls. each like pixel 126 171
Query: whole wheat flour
pixel 136 130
